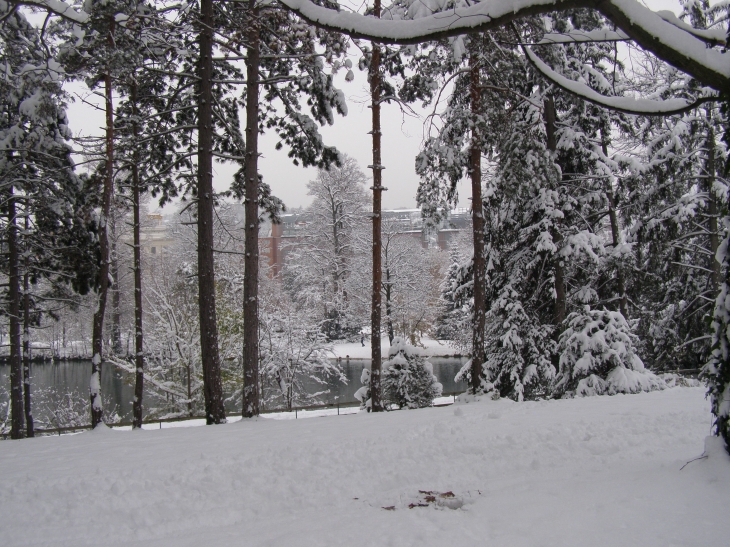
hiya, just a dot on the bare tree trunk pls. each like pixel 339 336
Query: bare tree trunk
pixel 376 404
pixel 137 407
pixel 388 306
pixel 212 386
pixel 116 327
pixel 616 237
pixel 97 337
pixel 27 403
pixel 558 266
pixel 16 372
pixel 251 192
pixel 479 318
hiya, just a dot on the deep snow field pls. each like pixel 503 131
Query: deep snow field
pixel 587 472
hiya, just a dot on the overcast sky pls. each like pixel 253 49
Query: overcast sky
pixel 402 138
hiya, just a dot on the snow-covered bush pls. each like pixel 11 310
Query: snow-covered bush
pixel 408 380
pixel 363 394
pixel 675 380
pixel 597 356
pixel 295 368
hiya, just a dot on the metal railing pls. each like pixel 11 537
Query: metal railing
pixel 70 429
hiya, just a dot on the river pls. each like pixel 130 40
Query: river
pixel 51 379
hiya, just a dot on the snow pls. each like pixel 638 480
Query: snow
pixel 438 20
pixel 621 104
pixel 433 348
pixel 424 24
pixel 600 35
pixel 61 8
pixel 598 471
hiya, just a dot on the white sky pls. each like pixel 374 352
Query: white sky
pixel 402 138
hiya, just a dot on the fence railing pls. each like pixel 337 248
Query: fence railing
pixel 160 421
pixel 692 373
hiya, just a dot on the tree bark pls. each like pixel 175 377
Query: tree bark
pixel 479 318
pixel 623 303
pixel 712 210
pixel 212 386
pixel 27 402
pixel 376 404
pixel 558 266
pixel 97 337
pixel 16 372
pixel 139 358
pixel 616 235
pixel 388 306
pixel 116 326
pixel 251 401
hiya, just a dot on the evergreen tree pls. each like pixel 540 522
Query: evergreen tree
pixel 44 229
pixel 408 379
pixel 598 355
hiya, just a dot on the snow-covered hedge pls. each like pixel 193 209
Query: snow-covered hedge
pixel 408 380
pixel 597 356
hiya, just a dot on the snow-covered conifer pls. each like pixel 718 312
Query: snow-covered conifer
pixel 598 356
pixel 408 379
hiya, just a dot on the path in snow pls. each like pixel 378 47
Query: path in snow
pixel 602 471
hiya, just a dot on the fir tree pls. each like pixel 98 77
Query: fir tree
pixel 408 379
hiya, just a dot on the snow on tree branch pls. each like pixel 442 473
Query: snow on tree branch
pixel 57 7
pixel 715 36
pixel 598 35
pixel 628 105
pixel 478 17
pixel 654 32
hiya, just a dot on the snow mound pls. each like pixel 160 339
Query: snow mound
pixel 675 380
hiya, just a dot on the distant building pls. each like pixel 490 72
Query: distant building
pixel 155 236
pixel 276 240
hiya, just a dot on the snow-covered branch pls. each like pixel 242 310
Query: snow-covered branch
pixel 652 31
pixel 57 7
pixel 646 107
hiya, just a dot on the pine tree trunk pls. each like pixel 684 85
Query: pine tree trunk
pixel 16 372
pixel 477 215
pixel 616 237
pixel 116 330
pixel 139 360
pixel 712 210
pixel 558 266
pixel 212 386
pixel 27 403
pixel 388 305
pixel 251 193
pixel 116 316
pixel 97 336
pixel 376 404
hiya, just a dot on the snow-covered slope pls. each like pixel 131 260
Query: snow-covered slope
pixel 599 471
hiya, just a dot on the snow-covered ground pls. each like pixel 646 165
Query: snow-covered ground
pixel 433 348
pixel 599 471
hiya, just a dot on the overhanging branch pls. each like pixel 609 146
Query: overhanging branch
pixel 642 107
